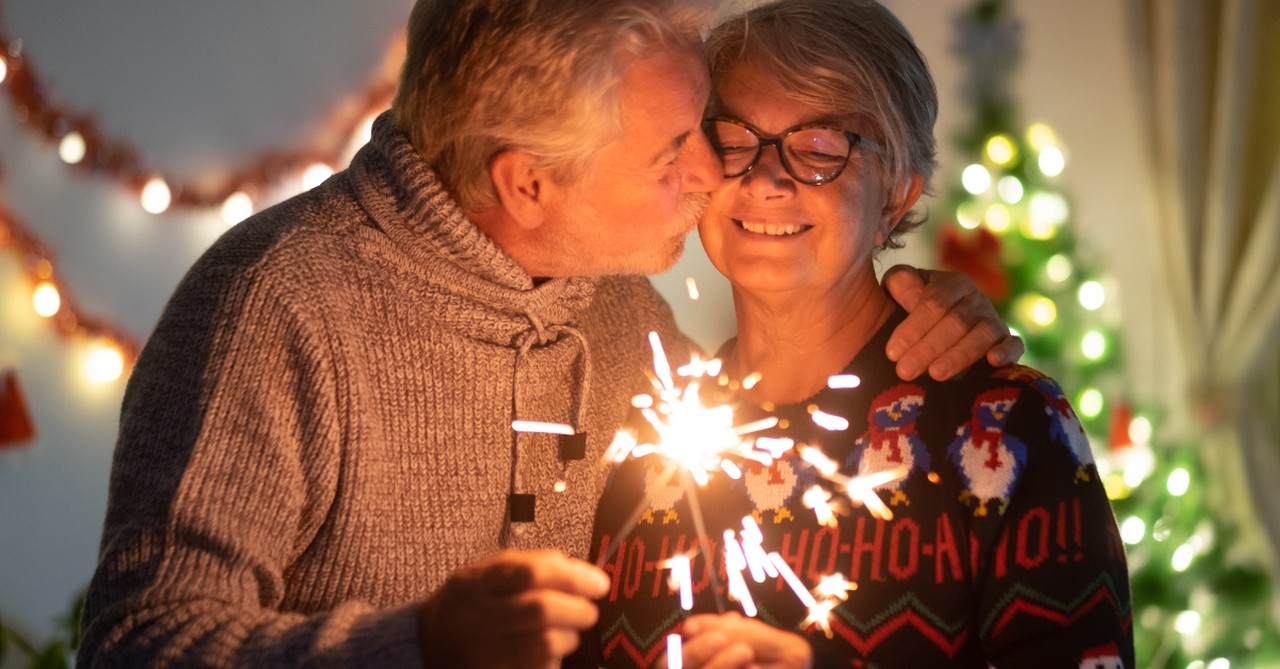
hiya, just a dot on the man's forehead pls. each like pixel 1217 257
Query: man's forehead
pixel 663 99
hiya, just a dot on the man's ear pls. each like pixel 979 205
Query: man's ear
pixel 521 186
pixel 900 201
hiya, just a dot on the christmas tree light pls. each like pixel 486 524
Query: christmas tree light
pixel 1197 604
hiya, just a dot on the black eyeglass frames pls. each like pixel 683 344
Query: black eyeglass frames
pixel 812 154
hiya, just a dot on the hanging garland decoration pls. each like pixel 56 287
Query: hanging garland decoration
pixel 84 147
pixel 114 350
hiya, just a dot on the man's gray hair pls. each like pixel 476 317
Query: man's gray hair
pixel 847 58
pixel 542 76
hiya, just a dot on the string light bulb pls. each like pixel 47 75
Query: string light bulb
pixel 969 216
pixel 1001 150
pixel 105 363
pixel 156 196
pixel 1139 462
pixel 72 148
pixel 1010 189
pixel 1038 310
pixel 1051 161
pixel 45 299
pixel 976 179
pixel 1093 345
pixel 1059 268
pixel 1048 211
pixel 1091 402
pixel 1182 557
pixel 1092 295
pixel 4 69
pixel 998 217
pixel 237 207
pixel 1140 430
pixel 1133 530
pixel 1187 623
pixel 315 174
pixel 1040 136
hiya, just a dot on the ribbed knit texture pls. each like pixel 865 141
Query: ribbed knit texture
pixel 318 432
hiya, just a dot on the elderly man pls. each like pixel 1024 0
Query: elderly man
pixel 316 464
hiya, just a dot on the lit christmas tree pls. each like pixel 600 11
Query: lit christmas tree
pixel 1197 602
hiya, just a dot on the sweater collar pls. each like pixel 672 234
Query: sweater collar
pixel 410 204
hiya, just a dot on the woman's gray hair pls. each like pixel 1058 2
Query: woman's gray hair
pixel 542 76
pixel 847 58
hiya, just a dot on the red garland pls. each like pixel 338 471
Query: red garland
pixel 121 161
pixel 69 320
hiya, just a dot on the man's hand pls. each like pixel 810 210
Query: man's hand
pixel 730 641
pixel 950 325
pixel 514 609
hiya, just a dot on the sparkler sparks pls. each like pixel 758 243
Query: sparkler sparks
pixel 682 579
pixel 692 286
pixel 697 438
pixel 843 381
pixel 539 426
pixel 675 652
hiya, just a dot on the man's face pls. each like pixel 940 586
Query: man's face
pixel 645 191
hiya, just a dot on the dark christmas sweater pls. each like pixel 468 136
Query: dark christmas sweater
pixel 1002 549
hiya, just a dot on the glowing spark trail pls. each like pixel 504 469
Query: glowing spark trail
pixel 537 426
pixel 675 652
pixel 692 286
pixel 682 577
pixel 843 381
pixel 696 441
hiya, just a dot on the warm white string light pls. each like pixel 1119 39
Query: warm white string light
pixel 156 196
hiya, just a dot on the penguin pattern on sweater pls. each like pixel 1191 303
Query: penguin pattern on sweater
pixel 1002 549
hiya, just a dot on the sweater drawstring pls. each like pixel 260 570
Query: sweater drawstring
pixel 521 504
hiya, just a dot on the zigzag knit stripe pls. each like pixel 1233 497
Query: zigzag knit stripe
pixel 949 643
pixel 908 602
pixel 1024 599
pixel 638 646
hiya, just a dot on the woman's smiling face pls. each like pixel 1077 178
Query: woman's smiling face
pixel 766 231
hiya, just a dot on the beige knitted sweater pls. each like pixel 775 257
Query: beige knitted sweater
pixel 319 429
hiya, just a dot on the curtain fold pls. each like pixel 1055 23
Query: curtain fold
pixel 1207 76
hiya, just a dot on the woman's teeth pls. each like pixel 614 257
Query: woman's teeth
pixel 772 228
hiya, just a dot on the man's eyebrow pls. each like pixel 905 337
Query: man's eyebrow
pixel 677 143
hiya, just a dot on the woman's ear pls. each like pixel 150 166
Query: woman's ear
pixel 900 201
pixel 521 187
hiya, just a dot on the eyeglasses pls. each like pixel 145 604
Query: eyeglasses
pixel 811 154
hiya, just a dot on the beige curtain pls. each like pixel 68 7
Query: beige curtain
pixel 1208 85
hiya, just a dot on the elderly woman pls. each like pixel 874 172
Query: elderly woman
pixel 1002 549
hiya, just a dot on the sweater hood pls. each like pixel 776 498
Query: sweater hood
pixel 407 200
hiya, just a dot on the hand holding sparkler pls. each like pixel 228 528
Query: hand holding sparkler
pixel 515 609
pixel 731 640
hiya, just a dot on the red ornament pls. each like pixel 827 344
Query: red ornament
pixel 15 423
pixel 1118 432
pixel 978 255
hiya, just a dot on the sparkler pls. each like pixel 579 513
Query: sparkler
pixel 696 439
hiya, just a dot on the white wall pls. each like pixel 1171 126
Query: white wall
pixel 195 85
